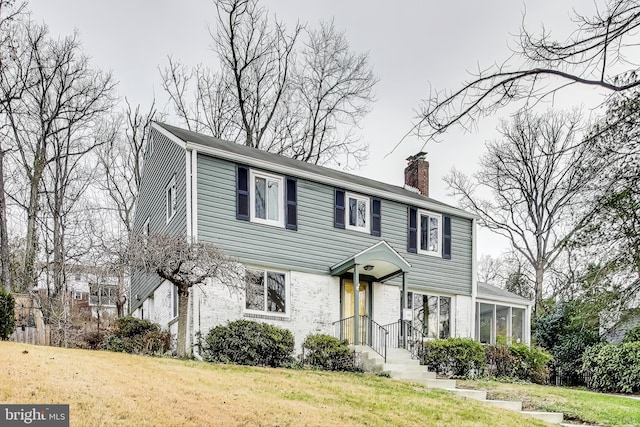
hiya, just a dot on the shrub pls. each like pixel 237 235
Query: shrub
pixel 132 335
pixel 632 335
pixel 532 363
pixel 328 353
pixel 7 314
pixel 613 367
pixel 461 357
pixel 245 342
pixel 499 361
pixel 92 340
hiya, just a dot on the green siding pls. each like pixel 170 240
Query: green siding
pixel 317 245
pixel 165 160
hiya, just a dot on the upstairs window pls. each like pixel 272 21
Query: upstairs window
pixel 357 211
pixel 170 198
pixel 430 232
pixel 266 198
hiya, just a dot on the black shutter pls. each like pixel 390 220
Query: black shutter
pixel 242 192
pixel 446 238
pixel 291 221
pixel 376 217
pixel 338 214
pixel 412 222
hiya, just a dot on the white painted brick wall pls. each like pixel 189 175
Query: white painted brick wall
pixel 463 317
pixel 386 303
pixel 162 309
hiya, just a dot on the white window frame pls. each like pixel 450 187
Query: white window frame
pixel 77 295
pixel 367 219
pixel 438 251
pixel 175 308
pixel 100 303
pixel 452 302
pixel 493 335
pixel 146 227
pixel 287 293
pixel 252 198
pixel 170 206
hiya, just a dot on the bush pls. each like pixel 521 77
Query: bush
pixel 632 335
pixel 245 342
pixel 460 357
pixel 532 363
pixel 92 340
pixel 328 353
pixel 7 314
pixel 132 335
pixel 613 368
pixel 499 361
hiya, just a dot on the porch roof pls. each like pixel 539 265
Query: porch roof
pixel 380 261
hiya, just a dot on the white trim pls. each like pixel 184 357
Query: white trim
pixel 194 195
pixel 253 174
pixel 452 310
pixel 187 197
pixel 438 251
pixel 171 186
pixel 287 291
pixel 381 242
pixel 474 276
pixel 180 143
pixel 292 171
pixel 347 207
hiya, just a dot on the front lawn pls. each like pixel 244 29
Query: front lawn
pixel 578 405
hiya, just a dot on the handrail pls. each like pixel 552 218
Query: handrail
pixel 372 334
pixel 403 335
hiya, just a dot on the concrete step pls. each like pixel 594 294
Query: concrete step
pixel 412 374
pixel 470 394
pixel 549 417
pixel 437 383
pixel 506 404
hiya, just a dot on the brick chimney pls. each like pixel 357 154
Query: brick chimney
pixel 416 174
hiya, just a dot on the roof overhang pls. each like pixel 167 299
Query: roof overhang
pixel 380 261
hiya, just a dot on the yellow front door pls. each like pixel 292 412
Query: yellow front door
pixel 348 308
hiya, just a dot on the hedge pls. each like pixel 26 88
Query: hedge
pixel 613 368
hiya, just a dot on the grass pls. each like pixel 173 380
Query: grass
pixel 114 389
pixel 578 405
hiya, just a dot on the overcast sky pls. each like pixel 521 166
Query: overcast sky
pixel 412 45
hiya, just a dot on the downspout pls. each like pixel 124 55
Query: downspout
pixel 403 306
pixel 474 278
pixel 356 305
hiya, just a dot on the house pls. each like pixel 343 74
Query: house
pixel 317 245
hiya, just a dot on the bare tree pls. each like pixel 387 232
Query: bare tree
pixel 535 179
pixel 11 90
pixel 598 53
pixel 302 103
pixel 184 264
pixel 62 95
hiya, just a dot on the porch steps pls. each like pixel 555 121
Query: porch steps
pixel 401 366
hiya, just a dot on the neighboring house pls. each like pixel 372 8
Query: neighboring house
pixel 308 237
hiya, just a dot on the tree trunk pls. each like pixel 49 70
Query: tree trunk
pixel 5 275
pixel 183 306
pixel 31 245
pixel 538 289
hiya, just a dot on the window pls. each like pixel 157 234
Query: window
pixel 266 198
pixel 357 212
pixel 171 198
pixel 77 295
pixel 174 301
pixel 500 323
pixel 266 291
pixel 103 295
pixel 429 230
pixel 431 314
pixel 428 233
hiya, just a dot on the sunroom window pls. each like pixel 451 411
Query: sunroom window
pixel 500 324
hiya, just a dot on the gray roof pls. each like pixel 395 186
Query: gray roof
pixel 303 167
pixel 487 291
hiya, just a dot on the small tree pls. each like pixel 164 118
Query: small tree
pixel 185 264
pixel 7 314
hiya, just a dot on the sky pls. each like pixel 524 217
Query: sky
pixel 414 46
